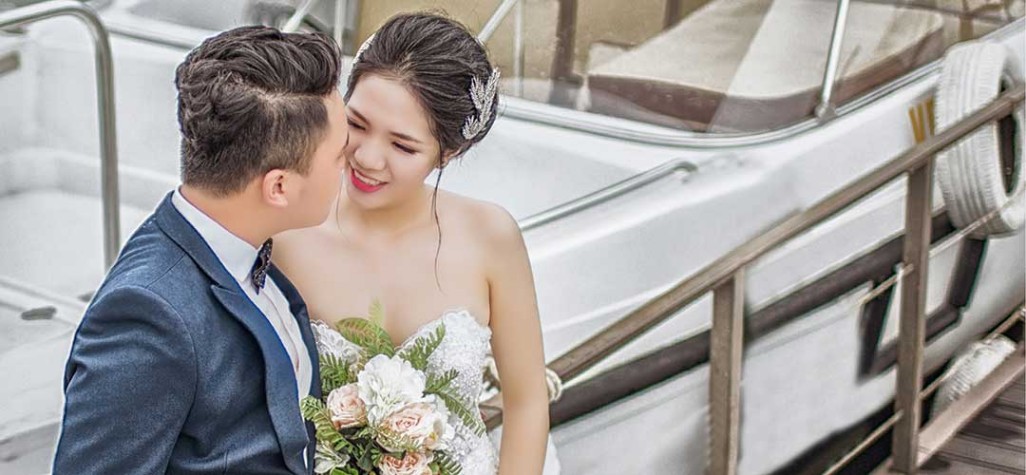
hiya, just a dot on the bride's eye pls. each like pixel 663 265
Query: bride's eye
pixel 354 124
pixel 405 149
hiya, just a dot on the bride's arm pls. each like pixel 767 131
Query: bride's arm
pixel 517 348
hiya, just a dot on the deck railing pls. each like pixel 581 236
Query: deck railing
pixel 501 12
pixel 725 278
pixel 104 99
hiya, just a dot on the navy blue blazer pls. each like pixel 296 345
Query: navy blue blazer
pixel 174 370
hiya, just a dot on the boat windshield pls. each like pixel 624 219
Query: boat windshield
pixel 711 66
pixel 707 66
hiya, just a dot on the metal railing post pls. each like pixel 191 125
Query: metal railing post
pixel 725 353
pixel 297 18
pixel 341 10
pixel 518 50
pixel 912 327
pixel 825 110
pixel 105 106
pixel 518 37
pixel 493 22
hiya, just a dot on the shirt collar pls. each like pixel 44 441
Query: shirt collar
pixel 234 253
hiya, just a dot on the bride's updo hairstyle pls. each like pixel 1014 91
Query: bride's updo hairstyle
pixel 445 68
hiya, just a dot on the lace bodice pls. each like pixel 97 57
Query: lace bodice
pixel 464 348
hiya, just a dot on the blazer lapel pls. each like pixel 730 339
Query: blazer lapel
pixel 280 387
pixel 282 399
pixel 299 311
pixel 302 316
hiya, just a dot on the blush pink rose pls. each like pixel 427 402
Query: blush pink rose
pixel 414 463
pixel 420 423
pixel 346 407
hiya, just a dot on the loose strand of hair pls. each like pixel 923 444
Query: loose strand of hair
pixel 438 226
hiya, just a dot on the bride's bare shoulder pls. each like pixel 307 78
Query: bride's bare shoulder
pixel 492 223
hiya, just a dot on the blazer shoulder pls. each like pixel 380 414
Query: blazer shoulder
pixel 147 261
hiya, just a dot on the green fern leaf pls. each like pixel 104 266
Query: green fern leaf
pixel 369 336
pixel 422 348
pixel 456 406
pixel 315 411
pixel 335 373
pixel 377 313
pixel 439 382
pixel 396 444
pixel 446 465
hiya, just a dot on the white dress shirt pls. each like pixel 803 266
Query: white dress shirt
pixel 238 257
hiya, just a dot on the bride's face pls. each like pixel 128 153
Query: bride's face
pixel 391 148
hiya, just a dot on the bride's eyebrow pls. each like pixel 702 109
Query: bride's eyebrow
pixel 393 133
pixel 357 113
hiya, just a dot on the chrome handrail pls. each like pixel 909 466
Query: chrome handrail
pixel 341 10
pixel 493 23
pixel 303 11
pixel 518 38
pixel 606 194
pixel 518 50
pixel 825 110
pixel 105 105
pixel 297 18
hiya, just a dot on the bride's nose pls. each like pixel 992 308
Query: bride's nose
pixel 367 157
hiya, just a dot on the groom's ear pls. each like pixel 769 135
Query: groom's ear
pixel 274 188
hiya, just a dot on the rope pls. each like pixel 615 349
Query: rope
pixel 553 383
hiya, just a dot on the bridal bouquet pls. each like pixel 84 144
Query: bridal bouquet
pixel 383 412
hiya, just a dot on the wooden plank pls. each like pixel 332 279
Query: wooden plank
pixel 1007 413
pixel 912 327
pixel 725 375
pixel 944 427
pixel 986 453
pixel 1014 397
pixel 963 410
pixel 1010 434
pixel 954 465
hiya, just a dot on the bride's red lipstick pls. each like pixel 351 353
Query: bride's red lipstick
pixel 362 185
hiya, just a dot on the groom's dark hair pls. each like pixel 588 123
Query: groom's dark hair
pixel 250 100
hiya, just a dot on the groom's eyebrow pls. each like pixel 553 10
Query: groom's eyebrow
pixel 394 133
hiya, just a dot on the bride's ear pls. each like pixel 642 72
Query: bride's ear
pixel 446 158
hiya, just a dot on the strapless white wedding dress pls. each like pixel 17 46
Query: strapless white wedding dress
pixel 465 348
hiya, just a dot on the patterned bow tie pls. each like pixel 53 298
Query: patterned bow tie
pixel 263 261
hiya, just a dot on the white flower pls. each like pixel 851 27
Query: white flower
pixel 387 384
pixel 447 432
pixel 331 342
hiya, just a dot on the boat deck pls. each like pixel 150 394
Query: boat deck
pixel 993 442
pixel 981 433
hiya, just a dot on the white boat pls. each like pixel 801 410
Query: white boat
pixel 645 154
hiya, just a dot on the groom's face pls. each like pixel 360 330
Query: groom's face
pixel 321 185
